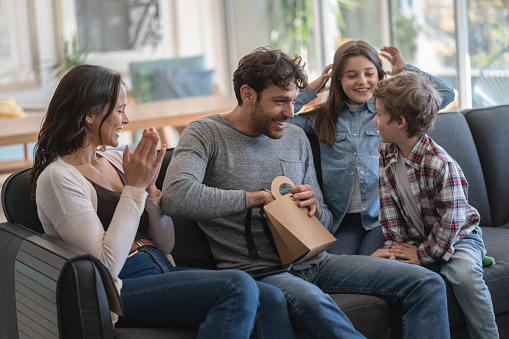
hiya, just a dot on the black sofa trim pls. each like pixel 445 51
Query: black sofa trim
pixel 47 270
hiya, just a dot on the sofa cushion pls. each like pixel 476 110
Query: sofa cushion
pixel 370 315
pixel 164 168
pixel 490 130
pixel 192 247
pixel 497 277
pixel 174 82
pixel 154 333
pixel 142 73
pixel 453 134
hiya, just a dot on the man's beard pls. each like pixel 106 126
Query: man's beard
pixel 264 124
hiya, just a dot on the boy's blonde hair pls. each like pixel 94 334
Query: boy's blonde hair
pixel 413 96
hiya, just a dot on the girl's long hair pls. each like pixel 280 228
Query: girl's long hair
pixel 327 113
pixel 84 90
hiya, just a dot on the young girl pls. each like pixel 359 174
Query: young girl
pixel 106 203
pixel 349 142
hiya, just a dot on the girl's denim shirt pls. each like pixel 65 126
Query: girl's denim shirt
pixel 354 150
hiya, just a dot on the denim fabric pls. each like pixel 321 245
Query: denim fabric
pixel 419 291
pixel 354 239
pixel 355 150
pixel 272 319
pixel 221 304
pixel 465 273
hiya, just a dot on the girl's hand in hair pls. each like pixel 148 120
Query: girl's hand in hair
pixel 319 85
pixel 141 167
pixel 394 56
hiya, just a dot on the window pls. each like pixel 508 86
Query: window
pixel 425 33
pixel 363 21
pixel 116 32
pixel 464 43
pixel 280 24
pixel 107 25
pixel 488 35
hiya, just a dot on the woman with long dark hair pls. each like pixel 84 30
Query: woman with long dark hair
pixel 106 203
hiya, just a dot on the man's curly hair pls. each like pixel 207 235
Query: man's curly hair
pixel 264 67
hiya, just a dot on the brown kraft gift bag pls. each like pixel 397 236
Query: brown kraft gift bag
pixel 298 237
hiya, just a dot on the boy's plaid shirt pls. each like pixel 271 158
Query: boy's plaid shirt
pixel 440 190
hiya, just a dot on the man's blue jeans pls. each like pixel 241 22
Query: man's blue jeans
pixel 222 304
pixel 419 291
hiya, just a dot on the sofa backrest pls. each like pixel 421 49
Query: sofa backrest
pixel 490 130
pixel 453 134
pixel 192 247
pixel 16 202
pixel 315 149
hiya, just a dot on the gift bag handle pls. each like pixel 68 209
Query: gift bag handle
pixel 276 184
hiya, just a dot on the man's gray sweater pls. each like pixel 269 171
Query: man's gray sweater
pixel 213 167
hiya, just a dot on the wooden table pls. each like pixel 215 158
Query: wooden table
pixel 159 114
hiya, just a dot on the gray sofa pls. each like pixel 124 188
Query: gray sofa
pixel 80 293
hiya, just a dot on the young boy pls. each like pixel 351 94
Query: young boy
pixel 424 207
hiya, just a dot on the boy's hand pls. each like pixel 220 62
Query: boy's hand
pixel 394 56
pixel 318 85
pixel 406 252
pixel 307 197
pixel 383 253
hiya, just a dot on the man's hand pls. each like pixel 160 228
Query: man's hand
pixel 318 85
pixel 394 56
pixel 259 198
pixel 406 252
pixel 307 197
pixel 383 253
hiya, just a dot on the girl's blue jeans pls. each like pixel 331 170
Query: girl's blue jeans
pixel 354 239
pixel 221 304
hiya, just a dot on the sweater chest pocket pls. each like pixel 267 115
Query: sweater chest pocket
pixel 293 169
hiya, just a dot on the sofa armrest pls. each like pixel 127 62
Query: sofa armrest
pixel 54 289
